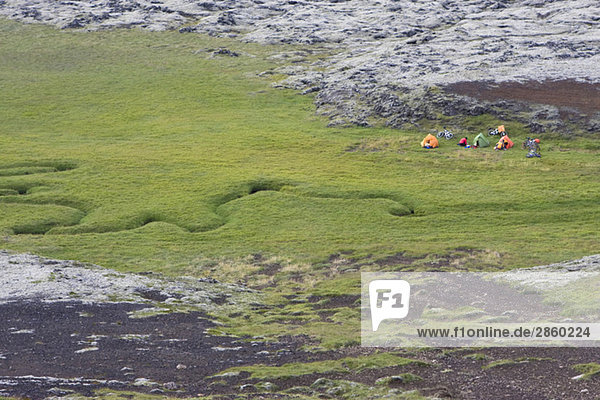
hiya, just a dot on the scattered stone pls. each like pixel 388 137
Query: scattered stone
pixel 300 390
pixel 322 383
pixel 266 387
pixel 171 386
pixel 248 388
pixel 336 391
pixel 56 391
pixel 283 352
pixel 228 374
pixel 144 382
pixel 86 349
pixel 398 379
pixel 218 348
pixel 225 52
pixel 23 331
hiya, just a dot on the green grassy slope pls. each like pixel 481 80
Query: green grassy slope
pixel 139 151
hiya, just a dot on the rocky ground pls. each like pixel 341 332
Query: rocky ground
pixel 395 62
pixel 34 278
pixel 71 328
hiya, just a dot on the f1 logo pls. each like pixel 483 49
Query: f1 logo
pixel 389 299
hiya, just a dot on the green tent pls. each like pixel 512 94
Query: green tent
pixel 481 141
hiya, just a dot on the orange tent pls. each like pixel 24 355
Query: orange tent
pixel 504 143
pixel 430 141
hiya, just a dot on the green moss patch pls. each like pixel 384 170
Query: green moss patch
pixel 588 370
pixel 344 365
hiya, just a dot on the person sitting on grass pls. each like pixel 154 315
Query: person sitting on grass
pixel 462 142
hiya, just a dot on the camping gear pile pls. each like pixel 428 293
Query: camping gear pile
pixel 533 145
pixel 481 140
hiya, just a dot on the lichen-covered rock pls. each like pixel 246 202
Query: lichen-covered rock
pixel 381 48
pixel 29 277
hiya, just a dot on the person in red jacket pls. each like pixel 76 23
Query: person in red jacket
pixel 462 142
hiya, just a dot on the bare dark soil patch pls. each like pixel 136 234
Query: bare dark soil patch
pixel 67 346
pixel 52 349
pixel 397 259
pixel 536 374
pixel 270 268
pixel 564 94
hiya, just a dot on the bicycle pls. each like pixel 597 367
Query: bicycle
pixel 445 134
pixel 498 131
